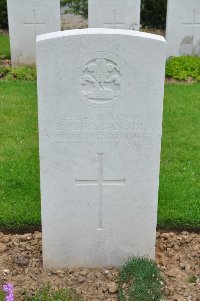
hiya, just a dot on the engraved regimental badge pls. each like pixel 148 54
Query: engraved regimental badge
pixel 102 79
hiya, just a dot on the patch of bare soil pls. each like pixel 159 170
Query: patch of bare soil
pixel 176 81
pixel 178 257
pixel 3 31
pixel 70 21
pixel 160 32
pixel 5 63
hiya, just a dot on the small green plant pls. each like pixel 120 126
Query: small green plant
pixel 2 296
pixel 48 294
pixel 183 68
pixel 140 280
pixel 24 73
pixel 192 279
pixel 4 71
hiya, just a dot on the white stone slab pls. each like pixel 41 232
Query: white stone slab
pixel 122 14
pixel 100 94
pixel 27 19
pixel 183 27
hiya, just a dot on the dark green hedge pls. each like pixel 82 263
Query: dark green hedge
pixel 3 15
pixel 153 13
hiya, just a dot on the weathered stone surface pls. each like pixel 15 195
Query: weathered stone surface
pixel 122 14
pixel 27 19
pixel 100 94
pixel 183 27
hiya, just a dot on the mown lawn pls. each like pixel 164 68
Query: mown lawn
pixel 19 168
pixel 4 46
pixel 179 193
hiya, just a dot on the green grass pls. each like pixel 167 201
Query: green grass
pixel 4 46
pixel 179 193
pixel 2 296
pixel 142 280
pixel 19 169
pixel 192 279
pixel 48 294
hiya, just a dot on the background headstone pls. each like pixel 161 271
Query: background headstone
pixel 100 94
pixel 122 14
pixel 27 19
pixel 183 27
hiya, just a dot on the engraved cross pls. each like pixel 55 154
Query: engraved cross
pixel 194 24
pixel 34 22
pixel 114 24
pixel 100 182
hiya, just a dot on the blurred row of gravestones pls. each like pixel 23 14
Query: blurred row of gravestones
pixel 29 18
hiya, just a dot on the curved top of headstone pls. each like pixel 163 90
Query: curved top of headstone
pixel 105 31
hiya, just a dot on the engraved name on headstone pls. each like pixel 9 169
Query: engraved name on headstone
pixel 183 27
pixel 122 14
pixel 100 96
pixel 27 19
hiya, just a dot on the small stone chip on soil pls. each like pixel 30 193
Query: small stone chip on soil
pixel 112 287
pixel 177 256
pixel 21 260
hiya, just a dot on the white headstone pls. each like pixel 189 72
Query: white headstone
pixel 100 94
pixel 27 19
pixel 183 27
pixel 122 14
